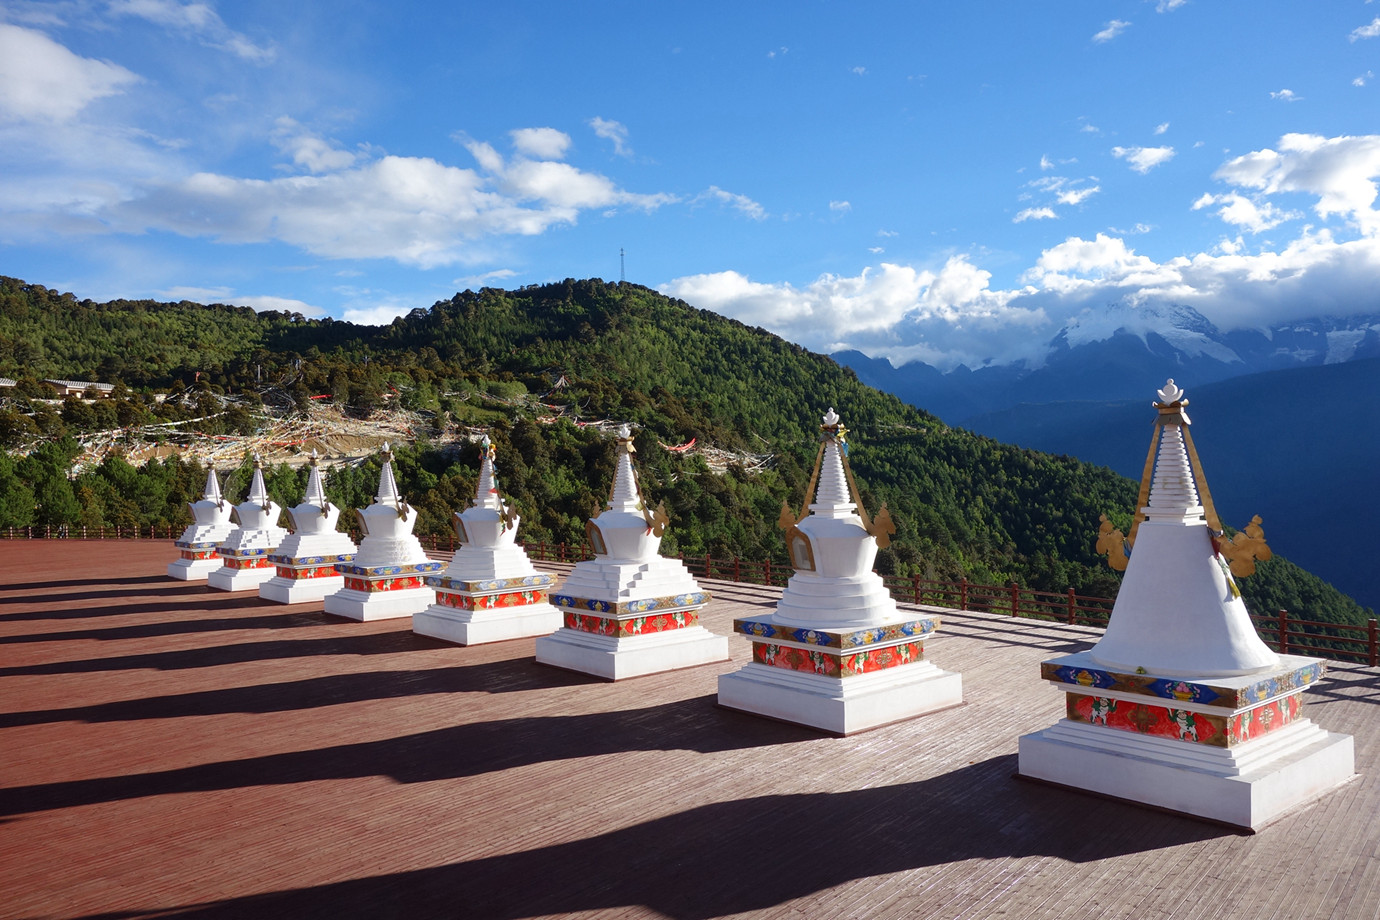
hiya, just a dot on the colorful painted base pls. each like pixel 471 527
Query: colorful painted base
pixel 241 570
pixel 195 562
pixel 301 579
pixel 382 592
pixel 492 610
pixel 840 679
pixel 628 638
pixel 1235 750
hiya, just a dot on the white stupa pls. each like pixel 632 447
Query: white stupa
pixel 210 526
pixel 1180 705
pixel 245 552
pixel 837 654
pixel 629 611
pixel 305 561
pixel 387 577
pixel 490 591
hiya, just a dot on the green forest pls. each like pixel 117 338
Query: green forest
pixel 506 362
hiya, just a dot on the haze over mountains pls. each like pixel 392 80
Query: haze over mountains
pixel 1288 417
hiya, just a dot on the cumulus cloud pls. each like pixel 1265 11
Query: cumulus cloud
pixel 282 304
pixel 1164 6
pixel 414 210
pixel 1075 196
pixel 1286 95
pixel 1340 171
pixel 740 203
pixel 307 149
pixel 1034 214
pixel 1255 216
pixel 1143 159
pixel 197 20
pixel 612 131
pixel 1111 31
pixel 42 81
pixel 840 206
pixel 541 143
pixel 1363 78
pixel 1366 31
pixel 1161 127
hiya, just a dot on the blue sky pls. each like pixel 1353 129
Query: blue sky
pixel 950 182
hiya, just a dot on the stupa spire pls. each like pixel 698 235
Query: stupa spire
pixel 316 489
pixel 487 494
pixel 832 498
pixel 258 492
pixel 212 491
pixel 625 495
pixel 388 486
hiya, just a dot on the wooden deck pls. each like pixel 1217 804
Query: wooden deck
pixel 170 751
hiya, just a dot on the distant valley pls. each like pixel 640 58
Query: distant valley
pixel 1288 422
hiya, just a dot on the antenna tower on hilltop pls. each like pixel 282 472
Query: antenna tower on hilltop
pixel 621 278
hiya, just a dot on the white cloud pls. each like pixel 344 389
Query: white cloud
pixel 198 20
pixel 1143 159
pixel 860 71
pixel 1255 216
pixel 738 202
pixel 307 149
pixel 379 315
pixel 1111 31
pixel 1034 214
pixel 413 210
pixel 1363 78
pixel 1366 31
pixel 42 81
pixel 1161 127
pixel 840 206
pixel 195 294
pixel 783 51
pixel 283 304
pixel 542 143
pixel 1286 95
pixel 876 250
pixel 1340 171
pixel 1076 196
pixel 612 131
pixel 484 279
pixel 1046 163
pixel 1164 6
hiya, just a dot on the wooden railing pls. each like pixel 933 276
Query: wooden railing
pixel 1285 633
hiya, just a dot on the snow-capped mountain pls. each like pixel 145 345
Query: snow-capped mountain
pixel 1123 352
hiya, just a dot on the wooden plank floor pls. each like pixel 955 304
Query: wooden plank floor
pixel 170 751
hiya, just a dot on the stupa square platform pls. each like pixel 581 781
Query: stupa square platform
pixel 300 579
pixel 631 636
pixel 381 592
pixel 1231 749
pixel 840 679
pixel 241 569
pixel 195 560
pixel 488 610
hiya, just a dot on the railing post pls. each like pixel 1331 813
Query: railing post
pixel 737 572
pixel 1015 599
pixel 915 589
pixel 708 566
pixel 766 572
pixel 560 552
pixel 542 552
pixel 1073 608
pixel 1284 632
pixel 1373 641
pixel 963 593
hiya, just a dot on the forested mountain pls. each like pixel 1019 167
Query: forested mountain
pixel 963 504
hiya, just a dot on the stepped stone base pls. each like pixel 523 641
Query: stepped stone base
pixel 378 605
pixel 475 627
pixel 1247 786
pixel 300 590
pixel 841 705
pixel 193 569
pixel 619 657
pixel 245 579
